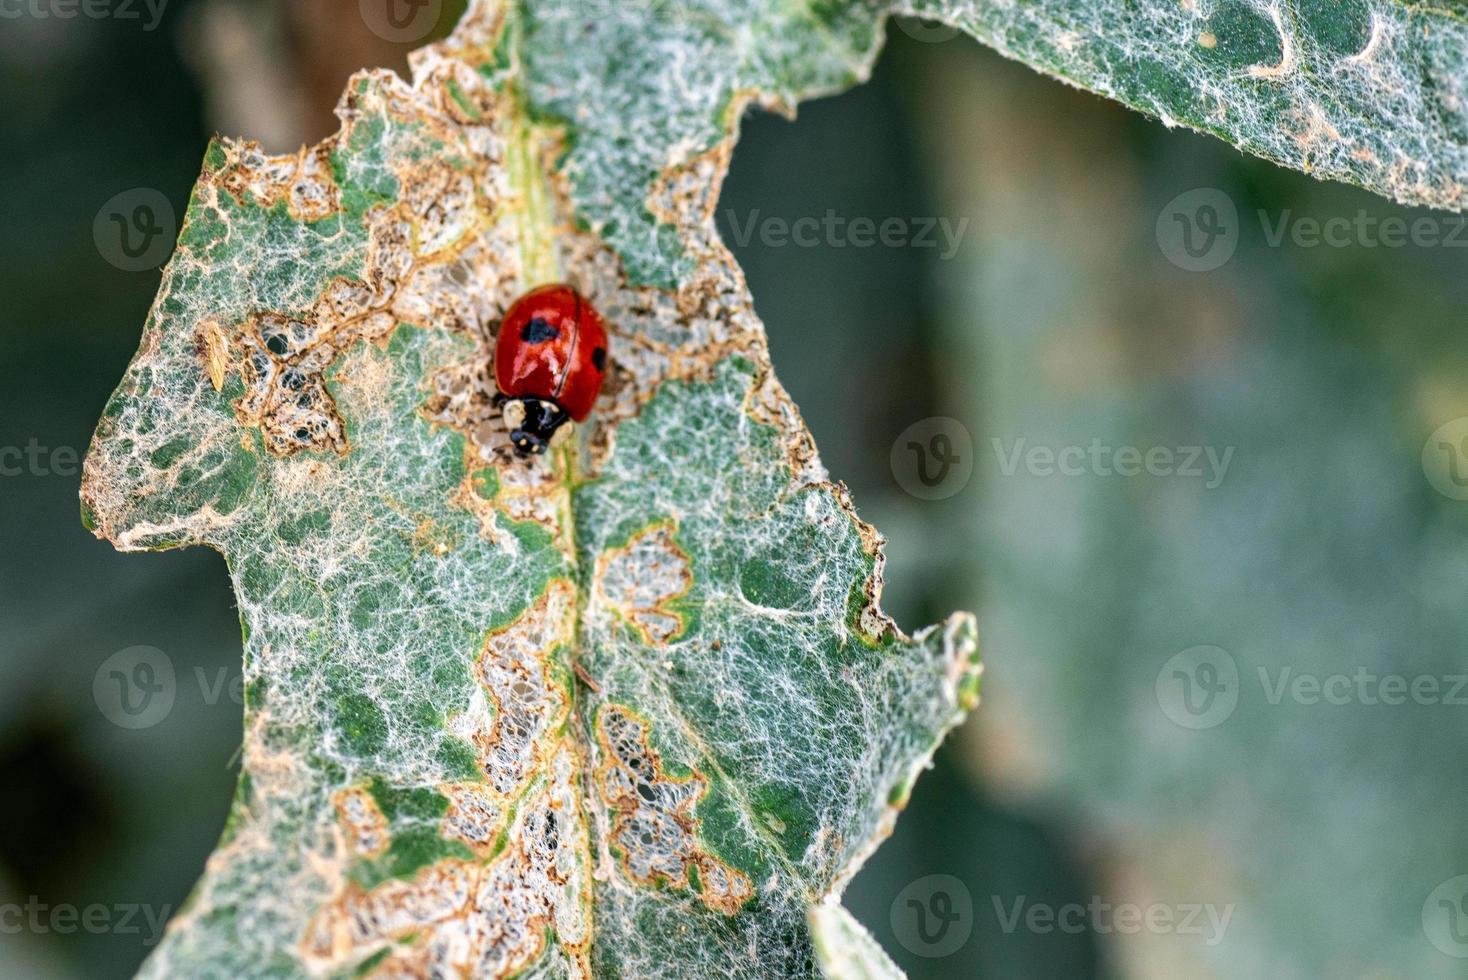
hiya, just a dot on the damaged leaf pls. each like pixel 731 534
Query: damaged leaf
pixel 627 710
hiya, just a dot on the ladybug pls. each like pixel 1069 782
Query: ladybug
pixel 550 360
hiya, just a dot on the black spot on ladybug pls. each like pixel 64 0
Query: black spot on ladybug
pixel 538 331
pixel 599 359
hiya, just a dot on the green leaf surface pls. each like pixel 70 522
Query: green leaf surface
pixel 1371 92
pixel 629 710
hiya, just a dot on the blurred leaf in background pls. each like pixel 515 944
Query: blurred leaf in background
pixel 1187 662
pixel 94 814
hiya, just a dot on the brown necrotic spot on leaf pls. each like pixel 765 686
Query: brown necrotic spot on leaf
pixel 362 821
pixel 303 180
pixel 394 909
pixel 643 580
pixel 470 918
pixel 459 917
pixel 532 489
pixel 282 366
pixel 654 827
pixel 432 260
pixel 873 623
pixel 542 880
pixel 284 358
pixel 770 404
pixel 529 703
pixel 474 817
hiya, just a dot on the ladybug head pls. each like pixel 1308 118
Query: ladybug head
pixel 533 423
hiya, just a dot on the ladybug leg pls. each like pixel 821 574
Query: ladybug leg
pixel 532 423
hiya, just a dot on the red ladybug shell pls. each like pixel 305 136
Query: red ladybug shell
pixel 553 346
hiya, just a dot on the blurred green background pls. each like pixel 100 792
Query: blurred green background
pixel 1150 739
